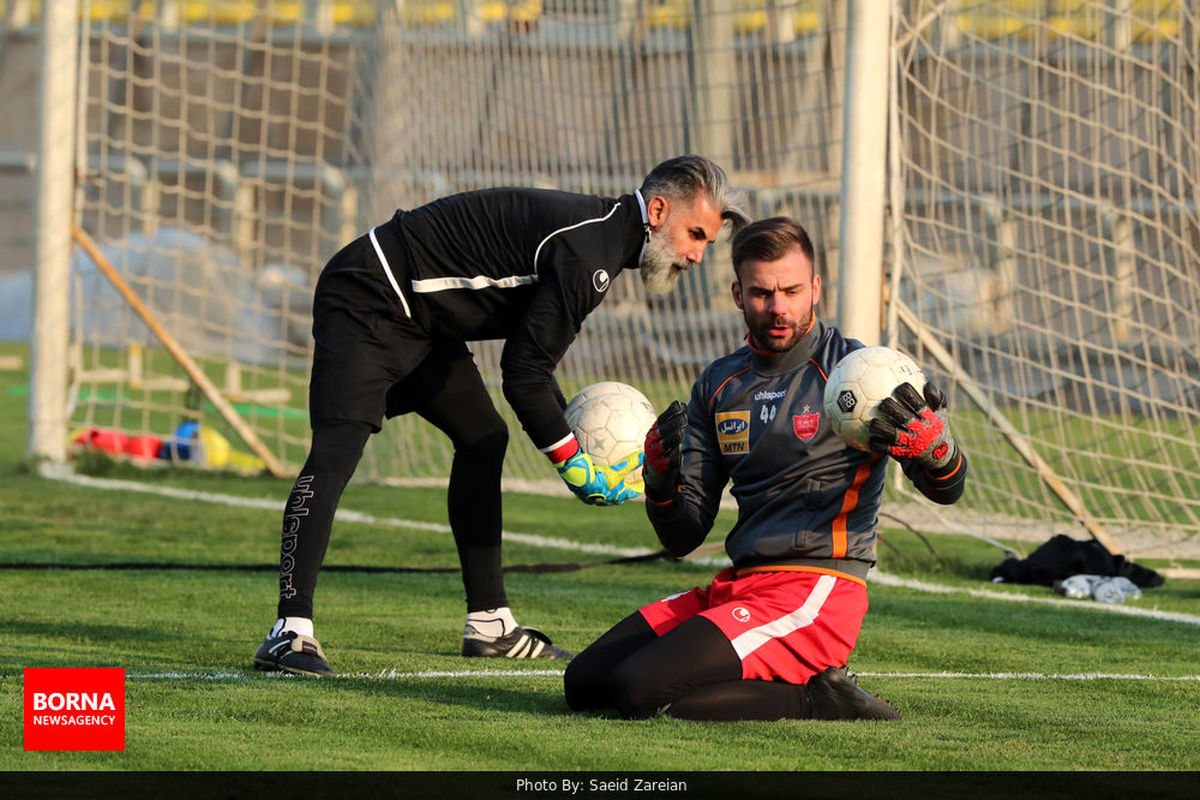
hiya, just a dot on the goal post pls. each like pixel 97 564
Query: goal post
pixel 864 169
pixel 54 215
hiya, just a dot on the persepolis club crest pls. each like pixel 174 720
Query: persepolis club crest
pixel 805 425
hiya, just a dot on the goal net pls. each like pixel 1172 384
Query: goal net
pixel 1042 226
pixel 1045 233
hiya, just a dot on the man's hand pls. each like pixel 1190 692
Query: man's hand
pixel 907 425
pixel 664 453
pixel 596 485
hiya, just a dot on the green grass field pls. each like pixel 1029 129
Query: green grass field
pixel 984 683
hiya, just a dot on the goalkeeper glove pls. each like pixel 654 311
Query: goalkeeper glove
pixel 597 485
pixel 664 453
pixel 907 425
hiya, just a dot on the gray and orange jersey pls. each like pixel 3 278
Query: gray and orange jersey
pixel 805 498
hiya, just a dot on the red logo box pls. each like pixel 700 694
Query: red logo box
pixel 75 709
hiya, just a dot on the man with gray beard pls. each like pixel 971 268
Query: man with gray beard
pixel 392 313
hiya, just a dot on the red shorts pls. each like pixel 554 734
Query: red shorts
pixel 784 626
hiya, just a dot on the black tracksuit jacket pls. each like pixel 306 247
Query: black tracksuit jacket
pixel 524 265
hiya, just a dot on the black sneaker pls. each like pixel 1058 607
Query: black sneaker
pixel 291 652
pixel 836 695
pixel 521 643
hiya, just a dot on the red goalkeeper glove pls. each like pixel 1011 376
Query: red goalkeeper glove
pixel 907 425
pixel 664 453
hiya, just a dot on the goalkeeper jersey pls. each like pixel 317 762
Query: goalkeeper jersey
pixel 804 497
pixel 523 265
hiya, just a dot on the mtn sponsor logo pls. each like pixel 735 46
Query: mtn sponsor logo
pixel 733 432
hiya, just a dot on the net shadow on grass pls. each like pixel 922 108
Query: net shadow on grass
pixel 168 566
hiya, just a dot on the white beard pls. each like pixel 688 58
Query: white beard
pixel 661 266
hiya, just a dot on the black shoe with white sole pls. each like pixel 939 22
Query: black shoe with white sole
pixel 293 653
pixel 520 643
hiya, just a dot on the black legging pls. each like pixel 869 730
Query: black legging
pixel 447 390
pixel 691 672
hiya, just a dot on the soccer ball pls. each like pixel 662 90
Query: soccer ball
pixel 857 384
pixel 610 420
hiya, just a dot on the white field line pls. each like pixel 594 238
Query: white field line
pixel 989 594
pixel 67 475
pixel 387 674
pixel 395 674
pixel 1032 676
pixel 342 515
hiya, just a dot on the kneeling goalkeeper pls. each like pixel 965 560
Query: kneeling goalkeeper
pixel 769 637
pixel 392 314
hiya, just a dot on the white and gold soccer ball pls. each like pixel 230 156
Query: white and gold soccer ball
pixel 610 420
pixel 859 382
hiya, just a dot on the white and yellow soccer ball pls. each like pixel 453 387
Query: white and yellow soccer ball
pixel 859 382
pixel 610 420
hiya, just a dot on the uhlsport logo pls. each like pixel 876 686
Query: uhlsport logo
pixel 600 280
pixel 75 709
pixel 846 400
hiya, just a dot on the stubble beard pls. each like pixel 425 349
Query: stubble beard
pixel 798 329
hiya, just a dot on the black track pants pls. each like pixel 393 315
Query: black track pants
pixel 308 517
pixel 691 672
pixel 447 390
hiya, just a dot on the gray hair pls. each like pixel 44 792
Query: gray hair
pixel 684 177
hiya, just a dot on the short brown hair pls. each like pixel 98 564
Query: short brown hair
pixel 770 239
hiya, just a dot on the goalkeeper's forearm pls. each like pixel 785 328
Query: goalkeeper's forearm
pixel 943 486
pixel 678 525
